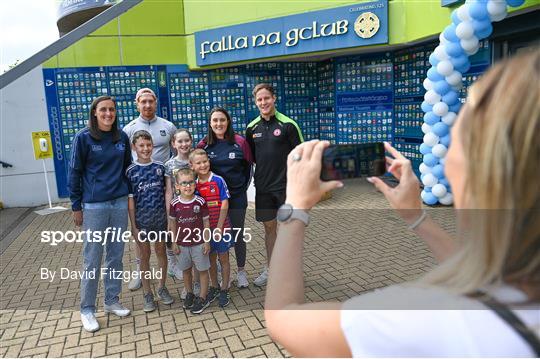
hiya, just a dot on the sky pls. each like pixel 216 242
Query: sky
pixel 26 26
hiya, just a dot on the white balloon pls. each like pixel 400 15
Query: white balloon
pixel 440 53
pixel 464 30
pixel 430 180
pixel 445 67
pixel 496 9
pixel 440 109
pixel 432 97
pixel 455 78
pixel 449 118
pixel 439 150
pixel 442 161
pixel 424 169
pixel 431 139
pixel 439 190
pixel 443 39
pixel 463 13
pixel 447 199
pixel 428 84
pixel 469 45
pixel 426 128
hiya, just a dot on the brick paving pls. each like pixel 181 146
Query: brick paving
pixel 354 244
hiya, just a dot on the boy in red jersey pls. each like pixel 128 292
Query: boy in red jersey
pixel 214 190
pixel 189 221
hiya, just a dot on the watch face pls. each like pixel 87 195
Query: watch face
pixel 284 212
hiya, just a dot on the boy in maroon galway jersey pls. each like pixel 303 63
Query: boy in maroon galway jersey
pixel 189 221
pixel 214 190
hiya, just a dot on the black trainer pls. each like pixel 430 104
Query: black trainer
pixel 199 305
pixel 224 298
pixel 188 302
pixel 213 293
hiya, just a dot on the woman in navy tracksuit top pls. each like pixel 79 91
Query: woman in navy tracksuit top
pixel 98 191
pixel 231 158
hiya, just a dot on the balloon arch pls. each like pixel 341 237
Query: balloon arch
pixel 471 22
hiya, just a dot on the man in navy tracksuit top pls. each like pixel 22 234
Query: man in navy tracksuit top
pixel 271 137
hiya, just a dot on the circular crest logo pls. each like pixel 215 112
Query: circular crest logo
pixel 367 25
pixel 277 132
pixel 196 209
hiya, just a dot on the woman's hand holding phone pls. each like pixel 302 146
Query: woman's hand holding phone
pixel 304 186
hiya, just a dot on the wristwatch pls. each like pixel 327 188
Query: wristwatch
pixel 287 213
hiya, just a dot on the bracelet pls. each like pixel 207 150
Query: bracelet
pixel 419 220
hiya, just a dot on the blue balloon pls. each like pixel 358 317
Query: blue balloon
pixel 425 149
pixel 433 60
pixel 430 199
pixel 442 87
pixel 445 140
pixel 454 49
pixel 464 68
pixel 455 108
pixel 426 107
pixel 515 3
pixel 438 171
pixel 455 19
pixel 451 98
pixel 440 129
pixel 430 160
pixel 484 33
pixel 430 118
pixel 479 25
pixel 459 60
pixel 478 10
pixel 450 33
pixel 427 189
pixel 434 75
pixel 445 182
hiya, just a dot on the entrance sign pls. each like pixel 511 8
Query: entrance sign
pixel 347 26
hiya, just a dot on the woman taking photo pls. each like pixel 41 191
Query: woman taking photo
pixel 484 297
pixel 98 190
pixel 231 158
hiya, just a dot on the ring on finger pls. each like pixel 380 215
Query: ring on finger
pixel 296 157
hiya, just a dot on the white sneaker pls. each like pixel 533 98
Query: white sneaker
pixel 89 322
pixel 197 288
pixel 117 309
pixel 135 282
pixel 241 279
pixel 262 278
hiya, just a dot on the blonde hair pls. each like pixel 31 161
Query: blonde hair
pixel 498 131
pixel 197 152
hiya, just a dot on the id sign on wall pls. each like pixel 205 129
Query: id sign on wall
pixel 348 26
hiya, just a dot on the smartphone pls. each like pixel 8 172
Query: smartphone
pixel 351 161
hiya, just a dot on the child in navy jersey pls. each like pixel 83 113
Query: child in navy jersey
pixel 188 219
pixel 214 190
pixel 147 213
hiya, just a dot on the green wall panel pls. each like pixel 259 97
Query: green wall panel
pixel 90 51
pixel 154 17
pixel 203 15
pixel 154 50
